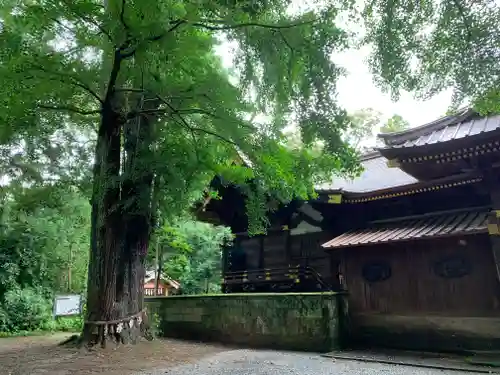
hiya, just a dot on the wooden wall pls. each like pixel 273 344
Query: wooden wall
pixel 417 308
pixel 414 287
pixel 281 249
pixel 306 250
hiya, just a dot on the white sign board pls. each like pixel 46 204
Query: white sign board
pixel 70 304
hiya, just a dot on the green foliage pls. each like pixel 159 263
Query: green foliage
pixel 395 124
pixel 192 251
pixel 363 124
pixel 428 46
pixel 25 310
pixel 29 310
pixel 54 79
pixel 44 234
pixel 44 237
pixel 138 82
pixel 68 324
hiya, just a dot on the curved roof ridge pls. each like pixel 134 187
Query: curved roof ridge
pixel 401 136
pixel 372 154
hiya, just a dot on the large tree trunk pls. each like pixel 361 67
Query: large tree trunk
pixel 121 228
pixel 103 308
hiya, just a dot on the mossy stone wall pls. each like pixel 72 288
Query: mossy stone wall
pixel 293 321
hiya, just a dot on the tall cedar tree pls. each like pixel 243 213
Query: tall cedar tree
pixel 143 76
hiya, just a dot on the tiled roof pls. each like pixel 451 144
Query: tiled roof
pixel 151 275
pixel 376 176
pixel 426 226
pixel 464 124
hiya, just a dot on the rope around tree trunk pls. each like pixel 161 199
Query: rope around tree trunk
pixel 117 321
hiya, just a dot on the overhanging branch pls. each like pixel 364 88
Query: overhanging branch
pixel 70 79
pixel 69 108
pixel 88 19
pixel 222 25
pixel 171 110
pixel 465 21
pixel 127 45
pixel 122 16
pixel 216 25
pixel 193 129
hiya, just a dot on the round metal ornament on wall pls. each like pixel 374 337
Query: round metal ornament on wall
pixel 376 271
pixel 453 267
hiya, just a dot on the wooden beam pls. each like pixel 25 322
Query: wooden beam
pixel 492 182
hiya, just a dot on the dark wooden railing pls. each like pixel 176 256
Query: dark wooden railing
pixel 287 279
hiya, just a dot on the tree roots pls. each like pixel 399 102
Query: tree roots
pixel 122 331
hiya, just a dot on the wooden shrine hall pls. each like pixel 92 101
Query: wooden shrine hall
pixel 414 240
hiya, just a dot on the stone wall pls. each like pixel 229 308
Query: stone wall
pixel 293 321
pixel 452 333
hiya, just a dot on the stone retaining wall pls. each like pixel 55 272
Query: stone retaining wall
pixel 293 321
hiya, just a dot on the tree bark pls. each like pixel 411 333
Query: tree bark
pixel 106 230
pixel 120 221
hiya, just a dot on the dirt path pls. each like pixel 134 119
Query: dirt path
pixel 41 355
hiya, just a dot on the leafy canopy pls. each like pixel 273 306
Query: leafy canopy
pixel 62 61
pixel 192 254
pixel 363 124
pixel 428 46
pixel 44 237
pixel 395 124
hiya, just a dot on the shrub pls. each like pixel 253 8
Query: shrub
pixel 4 320
pixel 26 310
pixel 69 324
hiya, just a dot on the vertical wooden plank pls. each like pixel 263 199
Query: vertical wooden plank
pixel 334 271
pixel 224 267
pixel 261 252
pixel 492 181
pixel 414 287
pixel 288 247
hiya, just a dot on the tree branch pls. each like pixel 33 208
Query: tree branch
pixel 69 5
pixel 225 26
pixel 171 110
pixel 461 12
pixel 209 132
pixel 127 44
pixel 75 81
pixel 174 111
pixel 194 129
pixel 175 25
pixel 69 109
pixel 129 40
pixel 122 16
pixel 115 70
pixel 125 89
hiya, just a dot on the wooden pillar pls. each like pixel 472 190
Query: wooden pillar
pixel 492 180
pixel 261 253
pixel 225 260
pixel 225 266
pixel 494 232
pixel 334 271
pixel 288 247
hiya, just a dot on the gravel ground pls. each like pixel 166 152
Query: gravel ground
pixel 252 362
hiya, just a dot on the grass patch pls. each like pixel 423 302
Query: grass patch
pixel 6 335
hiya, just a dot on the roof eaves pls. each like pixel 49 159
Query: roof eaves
pixel 399 137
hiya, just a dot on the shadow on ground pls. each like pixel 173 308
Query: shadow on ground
pixel 42 355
